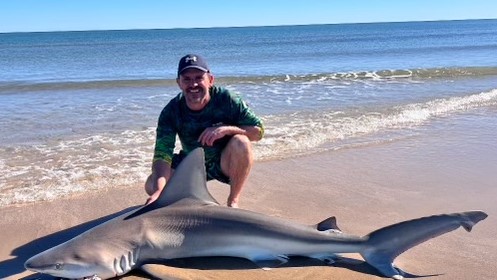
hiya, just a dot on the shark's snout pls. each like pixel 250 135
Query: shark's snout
pixel 70 269
pixel 34 264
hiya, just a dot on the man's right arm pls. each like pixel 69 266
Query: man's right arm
pixel 163 153
pixel 161 172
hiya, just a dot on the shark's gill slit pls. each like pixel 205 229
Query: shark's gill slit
pixel 117 267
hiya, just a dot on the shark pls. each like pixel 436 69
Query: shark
pixel 187 221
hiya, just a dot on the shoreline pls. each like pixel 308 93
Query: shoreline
pixel 306 190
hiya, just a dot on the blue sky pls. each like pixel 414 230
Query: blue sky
pixel 64 15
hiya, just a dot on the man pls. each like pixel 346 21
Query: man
pixel 208 116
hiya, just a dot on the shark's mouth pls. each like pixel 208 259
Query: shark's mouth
pixel 94 277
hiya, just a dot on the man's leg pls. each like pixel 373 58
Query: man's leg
pixel 236 162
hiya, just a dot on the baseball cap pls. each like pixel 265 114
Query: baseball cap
pixel 192 61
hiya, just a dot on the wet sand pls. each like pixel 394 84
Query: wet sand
pixel 365 188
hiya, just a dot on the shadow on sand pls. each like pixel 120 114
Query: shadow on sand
pixel 230 263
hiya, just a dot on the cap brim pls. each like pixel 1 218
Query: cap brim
pixel 194 67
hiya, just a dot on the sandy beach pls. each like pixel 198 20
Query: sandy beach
pixel 365 188
pixel 374 123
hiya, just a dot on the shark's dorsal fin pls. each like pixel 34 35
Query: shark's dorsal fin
pixel 188 181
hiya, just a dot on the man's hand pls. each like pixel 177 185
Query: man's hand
pixel 158 186
pixel 211 134
pixel 152 198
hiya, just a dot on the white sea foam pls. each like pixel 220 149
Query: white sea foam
pixel 301 133
pixel 60 168
pixel 49 171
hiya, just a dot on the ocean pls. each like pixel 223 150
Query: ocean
pixel 78 110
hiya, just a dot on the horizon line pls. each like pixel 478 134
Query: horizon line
pixel 243 26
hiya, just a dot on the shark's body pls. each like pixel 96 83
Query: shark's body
pixel 186 221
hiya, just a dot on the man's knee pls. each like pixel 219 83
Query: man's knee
pixel 240 144
pixel 237 154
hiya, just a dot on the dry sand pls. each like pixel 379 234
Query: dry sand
pixel 365 188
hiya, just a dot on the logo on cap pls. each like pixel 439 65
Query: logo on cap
pixel 190 58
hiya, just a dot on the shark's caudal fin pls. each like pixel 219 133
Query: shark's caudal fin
pixel 385 244
pixel 188 181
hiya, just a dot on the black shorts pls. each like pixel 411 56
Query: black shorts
pixel 212 167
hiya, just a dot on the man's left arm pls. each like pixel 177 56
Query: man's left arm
pixel 211 134
pixel 254 133
pixel 243 119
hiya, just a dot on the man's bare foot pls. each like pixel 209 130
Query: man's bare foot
pixel 232 203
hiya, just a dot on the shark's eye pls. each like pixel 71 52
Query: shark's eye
pixel 59 266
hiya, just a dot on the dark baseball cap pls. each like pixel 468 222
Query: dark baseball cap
pixel 192 61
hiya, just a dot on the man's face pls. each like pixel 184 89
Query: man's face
pixel 195 85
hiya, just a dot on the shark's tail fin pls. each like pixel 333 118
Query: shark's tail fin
pixel 385 244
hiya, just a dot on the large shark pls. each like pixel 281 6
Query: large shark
pixel 186 221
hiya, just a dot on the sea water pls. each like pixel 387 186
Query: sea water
pixel 78 110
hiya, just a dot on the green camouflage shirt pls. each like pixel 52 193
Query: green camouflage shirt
pixel 224 108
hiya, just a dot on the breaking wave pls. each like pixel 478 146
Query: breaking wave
pixel 13 87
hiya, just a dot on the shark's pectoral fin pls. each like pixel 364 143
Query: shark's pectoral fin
pixel 267 262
